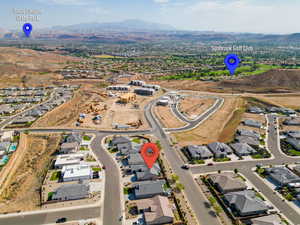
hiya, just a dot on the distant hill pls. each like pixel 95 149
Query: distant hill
pixel 127 25
pixel 277 79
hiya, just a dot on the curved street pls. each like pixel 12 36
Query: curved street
pixel 112 208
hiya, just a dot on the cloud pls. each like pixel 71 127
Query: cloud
pixel 161 1
pixel 66 2
pixel 235 16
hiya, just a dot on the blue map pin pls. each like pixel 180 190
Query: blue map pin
pixel 27 28
pixel 232 62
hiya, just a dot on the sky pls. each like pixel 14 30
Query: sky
pixel 255 16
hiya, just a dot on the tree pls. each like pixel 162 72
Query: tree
pixel 179 187
pixel 236 170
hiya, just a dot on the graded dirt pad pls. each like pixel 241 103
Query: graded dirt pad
pixel 277 80
pixel 29 68
pixel 21 192
pixel 193 106
pixel 211 129
pixel 167 118
pixel 66 114
pixel 289 101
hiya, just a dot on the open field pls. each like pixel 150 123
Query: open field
pixel 22 189
pixel 23 67
pixel 193 106
pixel 167 118
pixel 211 129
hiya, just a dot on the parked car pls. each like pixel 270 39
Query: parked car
pixel 185 167
pixel 61 220
pixel 210 164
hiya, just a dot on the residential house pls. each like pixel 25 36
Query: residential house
pixel 227 182
pixel 135 159
pixel 197 152
pixel 220 150
pixel 4 146
pixel 255 110
pixel 292 122
pixel 295 143
pixel 68 159
pixel 249 133
pixel 156 210
pixel 34 113
pixel 293 134
pixel 242 149
pixel 76 172
pixel 282 176
pixel 119 140
pixel 272 219
pixel 245 203
pixel 252 123
pixel 149 189
pixel 247 140
pixel 151 86
pixel 7 136
pixel 71 192
pixel 73 137
pixel 69 147
pixel 6 109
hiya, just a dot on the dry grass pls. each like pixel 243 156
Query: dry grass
pixel 211 129
pixel 288 101
pixel 23 190
pixel 66 114
pixel 29 68
pixel 231 126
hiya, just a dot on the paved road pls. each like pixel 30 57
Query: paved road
pixel 193 123
pixel 112 201
pixel 245 168
pixel 38 218
pixel 192 190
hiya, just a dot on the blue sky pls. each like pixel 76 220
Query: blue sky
pixel 263 16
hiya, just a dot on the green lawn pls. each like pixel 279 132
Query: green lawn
pixel 83 148
pixel 96 169
pixel 50 194
pixel 294 152
pixel 126 190
pixel 86 138
pixel 55 175
pixel 221 159
pixel 136 140
pixel 199 161
pixel 257 156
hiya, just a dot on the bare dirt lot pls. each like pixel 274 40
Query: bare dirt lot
pixel 21 192
pixel 289 101
pixel 167 118
pixel 211 129
pixel 193 106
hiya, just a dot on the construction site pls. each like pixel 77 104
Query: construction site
pixel 114 110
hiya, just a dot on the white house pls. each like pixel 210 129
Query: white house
pixel 76 172
pixel 7 136
pixel 68 159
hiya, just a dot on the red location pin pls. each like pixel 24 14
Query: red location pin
pixel 150 153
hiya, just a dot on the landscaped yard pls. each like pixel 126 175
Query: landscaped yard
pixel 96 169
pixel 136 140
pixel 84 148
pixel 55 175
pixel 86 138
pixel 222 159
